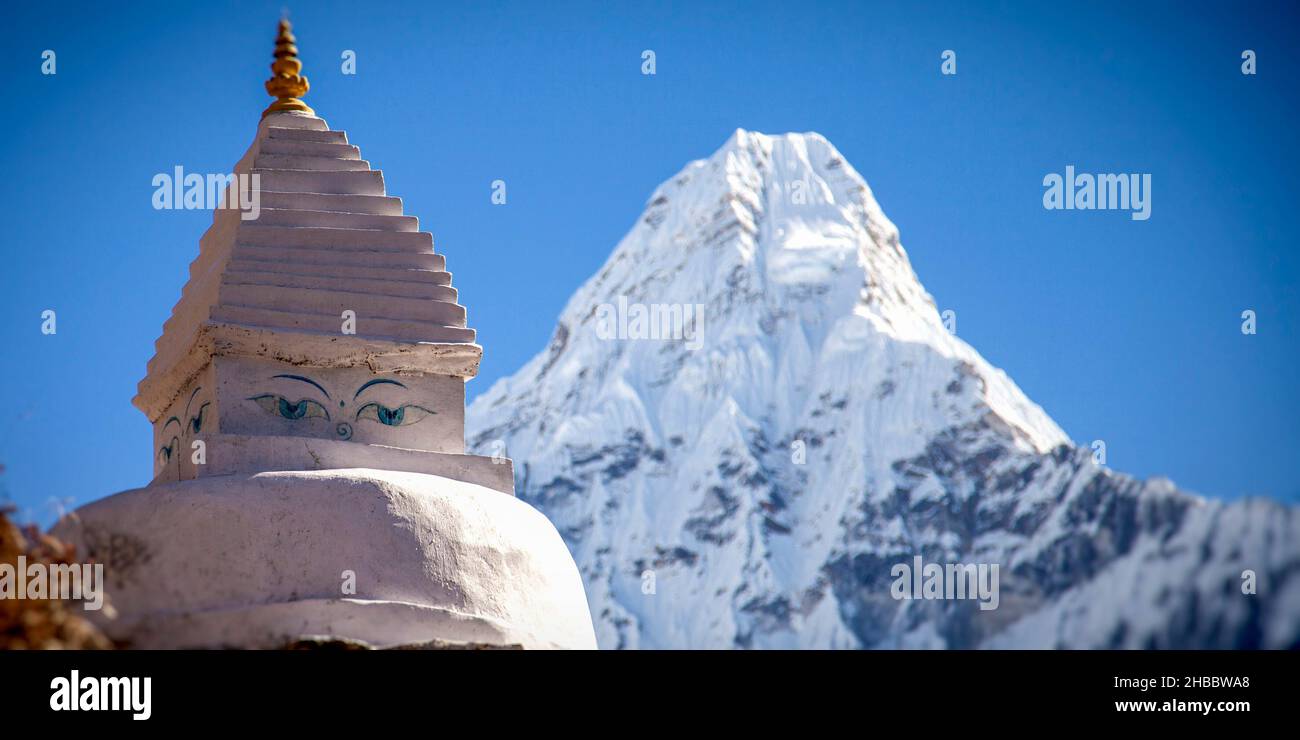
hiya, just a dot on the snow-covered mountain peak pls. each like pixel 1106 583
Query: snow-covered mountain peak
pixel 753 412
pixel 803 292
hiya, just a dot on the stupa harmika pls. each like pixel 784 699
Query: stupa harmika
pixel 332 496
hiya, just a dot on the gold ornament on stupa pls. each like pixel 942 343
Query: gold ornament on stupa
pixel 286 84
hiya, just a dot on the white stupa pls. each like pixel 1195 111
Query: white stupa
pixel 307 397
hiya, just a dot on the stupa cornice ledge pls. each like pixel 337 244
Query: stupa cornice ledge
pixel 161 388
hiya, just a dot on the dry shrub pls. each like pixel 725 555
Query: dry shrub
pixel 41 624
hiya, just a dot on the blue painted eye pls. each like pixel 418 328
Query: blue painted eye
pixel 402 416
pixel 284 408
pixel 196 423
pixel 165 452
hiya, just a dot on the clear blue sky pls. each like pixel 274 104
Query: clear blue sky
pixel 1126 331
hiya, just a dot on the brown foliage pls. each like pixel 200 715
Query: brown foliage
pixel 41 624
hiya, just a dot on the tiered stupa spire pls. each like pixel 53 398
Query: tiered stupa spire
pixel 330 279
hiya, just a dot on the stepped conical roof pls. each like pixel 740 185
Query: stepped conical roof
pixel 326 239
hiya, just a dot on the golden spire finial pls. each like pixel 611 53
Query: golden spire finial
pixel 286 85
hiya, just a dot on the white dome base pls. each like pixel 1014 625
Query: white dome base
pixel 387 558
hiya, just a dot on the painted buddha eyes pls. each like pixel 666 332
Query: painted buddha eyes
pixel 398 417
pixel 280 406
pixel 305 408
